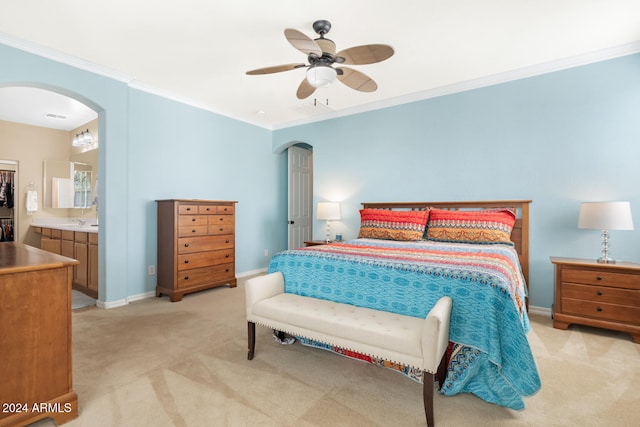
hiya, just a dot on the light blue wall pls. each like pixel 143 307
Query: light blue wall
pixel 557 139
pixel 153 148
pixel 178 151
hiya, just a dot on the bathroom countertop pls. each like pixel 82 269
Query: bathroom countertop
pixel 87 228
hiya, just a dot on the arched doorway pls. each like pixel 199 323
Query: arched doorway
pixel 37 125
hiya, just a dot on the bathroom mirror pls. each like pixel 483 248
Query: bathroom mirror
pixel 67 185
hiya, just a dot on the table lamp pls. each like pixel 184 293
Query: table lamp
pixel 605 216
pixel 328 211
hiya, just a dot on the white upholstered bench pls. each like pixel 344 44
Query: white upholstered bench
pixel 407 340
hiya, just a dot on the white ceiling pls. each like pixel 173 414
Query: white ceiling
pixel 197 51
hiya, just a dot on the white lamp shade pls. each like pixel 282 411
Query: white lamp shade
pixel 605 216
pixel 321 76
pixel 328 210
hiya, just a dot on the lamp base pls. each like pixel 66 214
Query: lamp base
pixel 605 259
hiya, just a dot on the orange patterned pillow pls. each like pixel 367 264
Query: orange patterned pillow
pixel 392 225
pixel 486 226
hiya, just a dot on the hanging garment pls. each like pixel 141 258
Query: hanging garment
pixel 10 191
pixel 3 188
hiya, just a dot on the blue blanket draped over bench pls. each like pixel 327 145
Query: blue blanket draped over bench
pixel 491 357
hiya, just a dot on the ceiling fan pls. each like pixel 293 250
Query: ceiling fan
pixel 321 55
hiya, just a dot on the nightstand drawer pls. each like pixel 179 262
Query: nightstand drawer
pixel 621 313
pixel 601 294
pixel 600 278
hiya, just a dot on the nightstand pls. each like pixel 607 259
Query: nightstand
pixel 595 294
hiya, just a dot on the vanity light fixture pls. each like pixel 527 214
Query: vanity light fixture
pixel 83 138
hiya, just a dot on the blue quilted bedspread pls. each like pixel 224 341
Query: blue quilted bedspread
pixel 491 357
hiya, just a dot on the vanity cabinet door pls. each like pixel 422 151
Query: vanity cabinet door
pixel 66 248
pixel 93 262
pixel 82 255
pixel 50 245
pixel 66 245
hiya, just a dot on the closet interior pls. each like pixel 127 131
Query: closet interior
pixel 8 219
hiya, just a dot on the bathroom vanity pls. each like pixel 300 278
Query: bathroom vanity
pixel 78 241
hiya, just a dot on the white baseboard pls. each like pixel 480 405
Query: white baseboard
pixel 151 294
pixel 111 304
pixel 138 297
pixel 543 311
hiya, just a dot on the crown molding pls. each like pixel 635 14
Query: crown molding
pixel 154 90
pixel 63 58
pixel 494 79
pixel 517 74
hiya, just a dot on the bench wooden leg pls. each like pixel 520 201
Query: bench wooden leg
pixel 251 332
pixel 427 380
pixel 442 371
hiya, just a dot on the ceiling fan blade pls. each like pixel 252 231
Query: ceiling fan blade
pixel 275 69
pixel 301 42
pixel 366 54
pixel 357 80
pixel 305 89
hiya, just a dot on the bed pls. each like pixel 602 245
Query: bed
pixel 407 256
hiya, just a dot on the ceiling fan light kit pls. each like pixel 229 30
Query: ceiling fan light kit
pixel 321 76
pixel 321 55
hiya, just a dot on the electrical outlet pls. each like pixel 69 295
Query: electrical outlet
pixel 152 270
pixel 266 252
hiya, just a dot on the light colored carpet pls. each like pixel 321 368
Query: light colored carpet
pixel 157 363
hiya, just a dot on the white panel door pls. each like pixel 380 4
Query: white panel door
pixel 300 196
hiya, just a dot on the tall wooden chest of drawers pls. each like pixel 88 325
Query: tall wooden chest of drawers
pixel 196 246
pixel 595 294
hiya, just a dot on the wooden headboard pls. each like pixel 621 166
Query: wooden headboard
pixel 519 235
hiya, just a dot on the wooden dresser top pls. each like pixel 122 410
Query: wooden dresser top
pixel 17 258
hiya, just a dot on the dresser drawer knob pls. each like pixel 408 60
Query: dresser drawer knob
pixel 226 256
pixel 186 261
pixel 208 209
pixel 599 309
pixel 188 209
pixel 186 245
pixel 221 219
pixel 193 231
pixel 227 270
pixel 186 277
pixel 226 241
pixel 221 228
pixel 599 277
pixel 193 219
pixel 599 293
